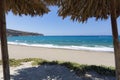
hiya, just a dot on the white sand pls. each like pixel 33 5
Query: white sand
pixel 56 72
pixel 44 72
pixel 80 56
pixel 50 72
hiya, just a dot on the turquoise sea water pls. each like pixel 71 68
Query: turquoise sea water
pixel 96 43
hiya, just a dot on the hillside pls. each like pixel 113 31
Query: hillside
pixel 11 32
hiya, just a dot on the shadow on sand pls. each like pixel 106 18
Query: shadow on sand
pixel 45 72
pixel 53 72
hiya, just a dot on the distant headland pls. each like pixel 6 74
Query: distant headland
pixel 11 32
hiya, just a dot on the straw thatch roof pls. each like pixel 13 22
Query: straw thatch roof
pixel 81 10
pixel 52 2
pixel 27 7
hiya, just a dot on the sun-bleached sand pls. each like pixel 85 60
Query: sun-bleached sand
pixel 56 72
pixel 50 72
pixel 77 56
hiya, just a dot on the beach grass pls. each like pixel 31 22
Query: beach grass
pixel 79 69
pixel 82 69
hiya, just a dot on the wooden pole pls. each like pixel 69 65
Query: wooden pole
pixel 115 38
pixel 3 38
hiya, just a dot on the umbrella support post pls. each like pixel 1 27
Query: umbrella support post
pixel 117 58
pixel 115 38
pixel 3 38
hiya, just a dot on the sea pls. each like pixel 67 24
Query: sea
pixel 92 43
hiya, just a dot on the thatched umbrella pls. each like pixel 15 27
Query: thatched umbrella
pixel 18 7
pixel 81 10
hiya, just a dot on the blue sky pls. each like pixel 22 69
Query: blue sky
pixel 51 24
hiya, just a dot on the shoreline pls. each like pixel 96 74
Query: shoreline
pixel 71 47
pixel 77 56
pixel 62 48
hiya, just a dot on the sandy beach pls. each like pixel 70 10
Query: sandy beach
pixel 56 72
pixel 77 56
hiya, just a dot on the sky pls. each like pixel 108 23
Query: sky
pixel 52 24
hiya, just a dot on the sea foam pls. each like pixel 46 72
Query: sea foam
pixel 96 48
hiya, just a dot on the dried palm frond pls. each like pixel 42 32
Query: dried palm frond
pixel 81 10
pixel 52 2
pixel 27 7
